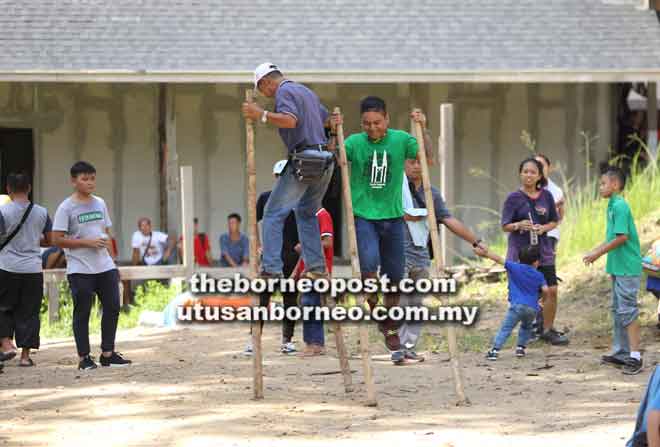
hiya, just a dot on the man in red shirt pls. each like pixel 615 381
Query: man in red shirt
pixel 313 335
pixel 202 247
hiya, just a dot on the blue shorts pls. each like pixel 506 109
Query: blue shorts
pixel 381 244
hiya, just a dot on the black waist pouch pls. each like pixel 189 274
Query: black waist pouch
pixel 310 165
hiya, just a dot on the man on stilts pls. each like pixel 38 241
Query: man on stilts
pixel 300 117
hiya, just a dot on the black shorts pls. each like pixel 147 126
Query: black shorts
pixel 20 302
pixel 549 273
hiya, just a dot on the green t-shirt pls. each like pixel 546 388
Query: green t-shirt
pixel 626 260
pixel 377 169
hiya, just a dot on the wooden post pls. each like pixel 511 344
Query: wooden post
pixel 257 363
pixel 187 213
pixel 53 292
pixel 355 263
pixel 435 273
pixel 652 115
pixel 342 352
pixel 171 164
pixel 446 162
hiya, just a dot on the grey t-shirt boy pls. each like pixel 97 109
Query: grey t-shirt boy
pixel 84 221
pixel 22 254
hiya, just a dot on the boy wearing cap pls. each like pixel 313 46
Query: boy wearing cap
pixel 300 117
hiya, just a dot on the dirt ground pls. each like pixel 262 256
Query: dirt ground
pixel 192 387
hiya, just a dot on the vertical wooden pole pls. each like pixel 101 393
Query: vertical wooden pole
pixel 446 162
pixel 257 362
pixel 355 264
pixel 652 115
pixel 342 353
pixel 187 213
pixel 53 292
pixel 171 164
pixel 435 243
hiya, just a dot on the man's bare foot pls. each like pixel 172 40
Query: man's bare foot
pixel 312 350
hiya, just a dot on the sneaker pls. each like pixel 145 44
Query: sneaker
pixel 413 356
pixel 632 366
pixel 288 348
pixel 115 360
pixel 492 354
pixel 554 337
pixel 87 363
pixel 248 350
pixel 398 357
pixel 520 351
pixel 392 341
pixel 612 360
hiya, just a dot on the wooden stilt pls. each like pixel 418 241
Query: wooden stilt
pixel 435 272
pixel 355 264
pixel 257 362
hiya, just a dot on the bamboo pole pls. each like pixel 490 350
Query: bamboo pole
pixel 342 353
pixel 435 272
pixel 355 263
pixel 257 361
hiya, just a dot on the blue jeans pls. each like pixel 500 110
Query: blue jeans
pixel 381 243
pixel 305 200
pixel 312 329
pixel 517 313
pixel 624 311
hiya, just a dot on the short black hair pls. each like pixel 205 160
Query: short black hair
pixel 373 104
pixel 82 167
pixel 234 216
pixel 18 182
pixel 529 254
pixel 617 173
pixel 195 220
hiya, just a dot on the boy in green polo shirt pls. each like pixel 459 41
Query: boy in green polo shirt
pixel 377 158
pixel 624 264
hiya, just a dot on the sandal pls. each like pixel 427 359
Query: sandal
pixel 4 356
pixel 27 364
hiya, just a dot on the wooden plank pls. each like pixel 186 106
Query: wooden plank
pixel 437 264
pixel 257 360
pixel 355 264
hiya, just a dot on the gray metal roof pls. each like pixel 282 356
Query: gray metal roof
pixel 414 40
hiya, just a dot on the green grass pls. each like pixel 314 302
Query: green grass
pixel 152 296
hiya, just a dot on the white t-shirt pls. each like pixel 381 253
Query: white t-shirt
pixel 558 195
pixel 156 248
pixel 84 221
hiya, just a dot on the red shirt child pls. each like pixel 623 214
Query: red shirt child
pixel 326 229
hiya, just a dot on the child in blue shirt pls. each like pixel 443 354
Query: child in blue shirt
pixel 526 284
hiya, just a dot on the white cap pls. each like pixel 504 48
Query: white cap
pixel 279 167
pixel 262 70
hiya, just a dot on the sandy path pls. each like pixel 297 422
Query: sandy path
pixel 191 387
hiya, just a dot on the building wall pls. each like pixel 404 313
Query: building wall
pixel 115 127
